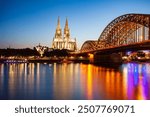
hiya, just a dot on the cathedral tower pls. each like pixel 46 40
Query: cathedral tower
pixel 58 33
pixel 66 30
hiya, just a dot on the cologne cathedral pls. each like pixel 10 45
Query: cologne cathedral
pixel 63 41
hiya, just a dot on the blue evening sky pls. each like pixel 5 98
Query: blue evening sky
pixel 26 23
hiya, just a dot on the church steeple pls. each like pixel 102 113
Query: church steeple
pixel 66 30
pixel 58 33
pixel 66 25
pixel 58 24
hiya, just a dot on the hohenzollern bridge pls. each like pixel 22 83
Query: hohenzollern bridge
pixel 128 32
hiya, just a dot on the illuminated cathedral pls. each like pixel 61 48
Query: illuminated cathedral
pixel 63 41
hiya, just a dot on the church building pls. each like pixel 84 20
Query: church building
pixel 63 41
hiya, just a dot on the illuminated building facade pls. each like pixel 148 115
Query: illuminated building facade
pixel 41 49
pixel 63 41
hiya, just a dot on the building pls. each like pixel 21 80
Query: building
pixel 63 41
pixel 41 49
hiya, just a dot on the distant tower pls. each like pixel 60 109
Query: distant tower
pixel 66 30
pixel 57 40
pixel 58 33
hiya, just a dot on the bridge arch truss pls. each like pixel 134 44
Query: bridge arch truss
pixel 89 45
pixel 124 30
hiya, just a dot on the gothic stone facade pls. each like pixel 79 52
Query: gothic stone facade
pixel 63 41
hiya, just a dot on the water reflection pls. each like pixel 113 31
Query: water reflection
pixel 137 78
pixel 74 81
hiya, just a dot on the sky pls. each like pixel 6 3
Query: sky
pixel 26 23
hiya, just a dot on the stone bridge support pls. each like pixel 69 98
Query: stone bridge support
pixel 109 59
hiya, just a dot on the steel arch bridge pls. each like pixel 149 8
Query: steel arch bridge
pixel 89 45
pixel 125 30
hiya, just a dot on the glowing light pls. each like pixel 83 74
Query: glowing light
pixel 89 82
pixel 81 57
pixel 91 57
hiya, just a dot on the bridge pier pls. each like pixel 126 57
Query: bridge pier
pixel 107 59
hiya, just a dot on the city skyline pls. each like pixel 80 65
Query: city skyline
pixel 28 23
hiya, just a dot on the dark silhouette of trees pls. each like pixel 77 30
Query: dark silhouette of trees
pixel 32 52
pixel 57 53
pixel 18 52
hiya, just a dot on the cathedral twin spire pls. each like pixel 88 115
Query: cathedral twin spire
pixel 58 33
pixel 63 41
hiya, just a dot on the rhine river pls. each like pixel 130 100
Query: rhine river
pixel 74 81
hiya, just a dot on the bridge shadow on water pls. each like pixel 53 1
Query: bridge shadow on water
pixel 115 66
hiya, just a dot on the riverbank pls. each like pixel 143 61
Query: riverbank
pixel 47 60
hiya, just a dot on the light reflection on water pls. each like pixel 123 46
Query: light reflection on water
pixel 74 81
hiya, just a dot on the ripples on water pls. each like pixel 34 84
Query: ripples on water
pixel 74 81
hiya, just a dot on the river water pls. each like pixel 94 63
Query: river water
pixel 74 81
